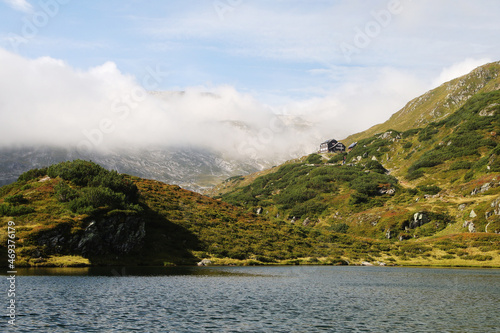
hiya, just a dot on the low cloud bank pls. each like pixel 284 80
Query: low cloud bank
pixel 47 102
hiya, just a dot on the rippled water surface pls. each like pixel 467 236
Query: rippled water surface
pixel 257 299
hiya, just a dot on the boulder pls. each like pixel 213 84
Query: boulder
pixel 388 234
pixel 418 220
pixel 205 262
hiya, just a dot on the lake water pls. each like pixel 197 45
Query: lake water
pixel 256 299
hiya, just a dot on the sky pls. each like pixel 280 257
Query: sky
pixel 255 73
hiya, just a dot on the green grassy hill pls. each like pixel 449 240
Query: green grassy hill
pixel 416 186
pixel 77 213
pixel 64 218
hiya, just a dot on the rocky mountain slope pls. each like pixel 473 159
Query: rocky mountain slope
pixel 191 168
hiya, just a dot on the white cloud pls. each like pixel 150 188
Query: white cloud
pixel 458 69
pixel 20 5
pixel 45 101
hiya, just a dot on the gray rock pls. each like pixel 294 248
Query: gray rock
pixel 419 219
pixel 117 234
pixel 472 214
pixel 495 204
pixel 485 187
pixel 205 262
pixel 388 234
pixel 488 111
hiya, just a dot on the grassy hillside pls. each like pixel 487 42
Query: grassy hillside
pixel 77 213
pixel 183 227
pixel 438 103
pixel 416 187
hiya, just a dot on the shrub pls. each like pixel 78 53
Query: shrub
pixel 412 191
pixel 375 166
pixel 92 198
pixel 409 133
pixel 8 210
pixel 294 195
pixel 469 175
pixel 427 133
pixel 64 192
pixel 79 172
pixel 461 165
pixel 314 159
pixel 358 198
pixel 337 158
pixel 339 227
pixel 407 145
pixel 369 184
pixel 16 199
pixel 32 174
pixel 311 208
pixel 429 189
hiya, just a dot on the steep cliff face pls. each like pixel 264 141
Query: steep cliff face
pixel 114 235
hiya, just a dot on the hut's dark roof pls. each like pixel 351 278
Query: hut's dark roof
pixel 330 141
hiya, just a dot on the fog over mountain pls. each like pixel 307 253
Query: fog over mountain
pixel 101 112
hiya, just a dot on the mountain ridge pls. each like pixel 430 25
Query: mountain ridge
pixel 437 103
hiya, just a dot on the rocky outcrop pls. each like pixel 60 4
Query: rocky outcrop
pixel 117 234
pixel 388 234
pixel 485 187
pixel 495 204
pixel 469 225
pixel 418 220
pixel 489 111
